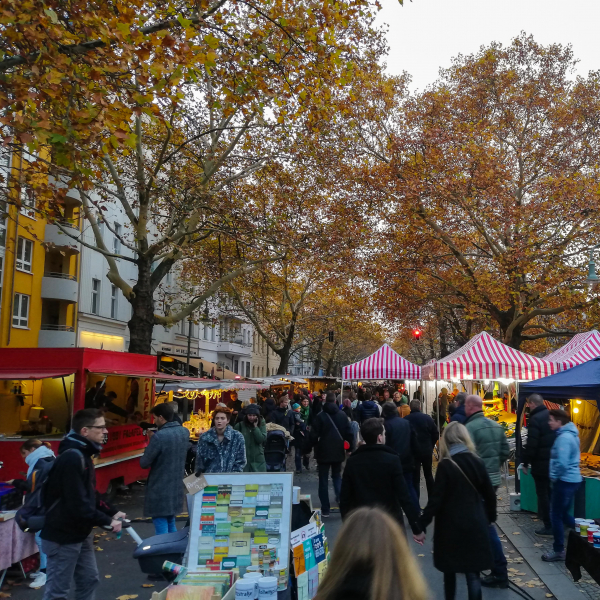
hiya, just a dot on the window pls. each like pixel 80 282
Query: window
pixel 236 366
pixel 212 333
pixel 116 240
pixel 113 302
pixel 24 252
pixel 27 202
pixel 247 369
pixel 95 296
pixel 2 224
pixel 205 327
pixel 21 311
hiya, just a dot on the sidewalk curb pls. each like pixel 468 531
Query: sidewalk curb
pixel 554 579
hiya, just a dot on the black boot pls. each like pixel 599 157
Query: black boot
pixel 494 581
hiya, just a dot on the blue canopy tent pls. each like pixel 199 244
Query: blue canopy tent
pixel 582 382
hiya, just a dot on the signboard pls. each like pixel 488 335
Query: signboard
pixel 124 438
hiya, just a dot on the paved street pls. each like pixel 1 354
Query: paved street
pixel 120 574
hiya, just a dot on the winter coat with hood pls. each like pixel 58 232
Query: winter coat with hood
pixel 165 456
pixel 540 439
pixel 399 436
pixel 39 462
pixel 254 439
pixel 283 417
pixel 268 407
pixel 228 456
pixel 72 481
pixel 373 477
pixel 490 443
pixel 368 410
pixel 329 443
pixel 461 542
pixel 459 414
pixel 426 433
pixel 565 456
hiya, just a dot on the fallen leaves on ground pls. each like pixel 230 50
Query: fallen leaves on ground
pixel 98 549
pixel 147 585
pixel 4 595
pixel 549 595
pixel 108 576
pixel 420 555
pixel 516 533
pixel 127 597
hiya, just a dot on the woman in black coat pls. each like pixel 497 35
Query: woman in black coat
pixel 461 542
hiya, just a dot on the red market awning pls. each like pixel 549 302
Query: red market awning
pixel 383 364
pixel 145 375
pixel 34 373
pixel 484 357
pixel 581 348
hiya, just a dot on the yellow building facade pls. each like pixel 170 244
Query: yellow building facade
pixel 39 269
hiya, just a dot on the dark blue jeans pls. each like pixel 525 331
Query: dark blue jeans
pixel 563 493
pixel 336 476
pixel 499 569
pixel 164 525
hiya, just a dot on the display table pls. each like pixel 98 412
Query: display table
pixel 580 553
pixel 587 498
pixel 15 545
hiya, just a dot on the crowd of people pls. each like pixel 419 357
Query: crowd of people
pixel 373 444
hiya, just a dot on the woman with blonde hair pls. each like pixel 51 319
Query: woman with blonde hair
pixel 371 561
pixel 463 503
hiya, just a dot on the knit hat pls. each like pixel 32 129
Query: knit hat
pixel 252 409
pixel 296 407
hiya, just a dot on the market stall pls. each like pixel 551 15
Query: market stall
pixel 290 384
pixel 579 387
pixel 321 382
pixel 581 348
pixel 384 364
pixel 205 395
pixel 176 364
pixel 488 367
pixel 41 389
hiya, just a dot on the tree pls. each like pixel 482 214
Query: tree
pixel 157 109
pixel 490 180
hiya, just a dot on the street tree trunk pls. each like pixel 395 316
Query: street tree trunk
pixel 141 324
pixel 318 358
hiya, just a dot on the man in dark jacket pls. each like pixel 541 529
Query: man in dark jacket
pixel 537 454
pixel 269 406
pixel 368 409
pixel 373 477
pixel 400 437
pixel 459 408
pixel 330 429
pixel 73 508
pixel 165 457
pixel 426 437
pixel 235 406
pixel 283 415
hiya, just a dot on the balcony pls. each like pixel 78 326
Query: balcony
pixel 56 336
pixel 53 235
pixel 234 345
pixel 72 198
pixel 59 286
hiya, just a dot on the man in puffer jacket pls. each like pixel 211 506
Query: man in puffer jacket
pixel 492 447
pixel 566 479
pixel 368 409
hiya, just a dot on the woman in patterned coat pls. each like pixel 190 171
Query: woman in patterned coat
pixel 221 449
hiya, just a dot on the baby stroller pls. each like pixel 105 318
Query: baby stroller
pixel 275 450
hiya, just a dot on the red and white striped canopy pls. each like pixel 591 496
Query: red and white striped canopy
pixel 484 357
pixel 581 348
pixel 383 364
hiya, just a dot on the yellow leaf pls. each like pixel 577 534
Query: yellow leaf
pixel 108 576
pixel 421 555
pixel 127 597
pixel 147 585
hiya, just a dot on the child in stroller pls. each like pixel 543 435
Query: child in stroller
pixel 275 450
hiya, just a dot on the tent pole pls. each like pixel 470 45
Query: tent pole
pixel 438 413
pixel 518 439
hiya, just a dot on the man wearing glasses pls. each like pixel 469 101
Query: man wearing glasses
pixel 73 508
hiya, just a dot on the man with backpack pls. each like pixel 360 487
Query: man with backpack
pixel 330 430
pixel 73 508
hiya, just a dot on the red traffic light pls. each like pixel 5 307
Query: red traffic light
pixel 417 334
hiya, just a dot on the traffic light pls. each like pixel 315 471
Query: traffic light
pixel 417 334
pixel 331 336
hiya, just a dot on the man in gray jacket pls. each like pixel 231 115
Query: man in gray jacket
pixel 165 457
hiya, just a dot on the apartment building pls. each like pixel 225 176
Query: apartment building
pixel 264 361
pixel 39 266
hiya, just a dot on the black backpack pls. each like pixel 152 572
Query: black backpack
pixel 32 515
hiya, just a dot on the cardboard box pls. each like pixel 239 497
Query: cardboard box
pixel 230 595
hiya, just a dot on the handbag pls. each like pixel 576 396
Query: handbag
pixel 346 444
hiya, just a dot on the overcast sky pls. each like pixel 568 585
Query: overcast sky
pixel 425 34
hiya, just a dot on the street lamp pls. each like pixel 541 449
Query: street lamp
pixel 592 278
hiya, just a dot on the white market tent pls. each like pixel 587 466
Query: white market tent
pixel 581 348
pixel 385 363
